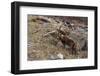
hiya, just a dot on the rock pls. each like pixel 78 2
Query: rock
pixel 80 35
pixel 60 56
pixel 43 19
pixel 55 56
pixel 59 44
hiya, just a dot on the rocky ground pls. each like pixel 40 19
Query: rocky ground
pixel 53 37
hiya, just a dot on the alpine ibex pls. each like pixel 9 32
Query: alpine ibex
pixel 62 34
pixel 66 40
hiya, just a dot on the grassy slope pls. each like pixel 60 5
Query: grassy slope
pixel 39 47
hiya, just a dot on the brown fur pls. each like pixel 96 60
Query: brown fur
pixel 65 39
